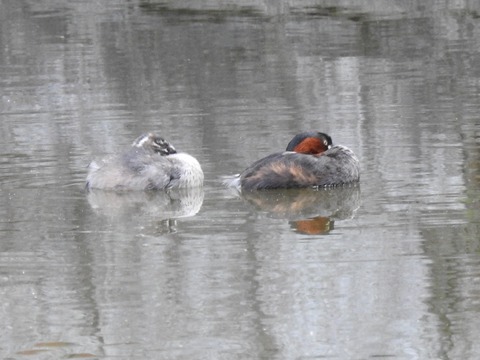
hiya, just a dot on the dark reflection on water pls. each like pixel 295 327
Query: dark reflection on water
pixel 310 211
pixel 204 274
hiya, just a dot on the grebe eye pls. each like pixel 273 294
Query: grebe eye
pixel 325 142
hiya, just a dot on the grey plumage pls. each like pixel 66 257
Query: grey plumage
pixel 150 164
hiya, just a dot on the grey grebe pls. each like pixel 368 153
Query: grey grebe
pixel 151 163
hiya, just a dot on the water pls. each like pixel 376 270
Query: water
pixel 389 269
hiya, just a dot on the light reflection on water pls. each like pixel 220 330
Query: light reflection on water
pixel 386 269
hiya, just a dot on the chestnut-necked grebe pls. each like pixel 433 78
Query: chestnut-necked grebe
pixel 151 163
pixel 309 160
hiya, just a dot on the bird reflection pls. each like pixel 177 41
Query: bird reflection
pixel 163 207
pixel 315 226
pixel 309 211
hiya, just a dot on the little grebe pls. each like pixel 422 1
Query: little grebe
pixel 309 160
pixel 151 163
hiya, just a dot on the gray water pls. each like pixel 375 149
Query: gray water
pixel 390 269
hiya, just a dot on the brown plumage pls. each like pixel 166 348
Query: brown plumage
pixel 309 160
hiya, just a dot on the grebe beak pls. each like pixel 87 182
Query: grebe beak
pixel 170 149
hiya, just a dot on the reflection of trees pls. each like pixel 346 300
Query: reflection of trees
pixel 167 63
pixel 402 90
pixel 453 250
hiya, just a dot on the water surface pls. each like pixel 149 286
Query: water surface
pixel 387 269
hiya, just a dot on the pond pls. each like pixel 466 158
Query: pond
pixel 387 269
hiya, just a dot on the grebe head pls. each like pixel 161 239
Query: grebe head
pixel 310 142
pixel 154 143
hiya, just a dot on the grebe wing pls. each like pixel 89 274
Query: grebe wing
pixel 279 170
pixel 336 166
pixel 137 169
